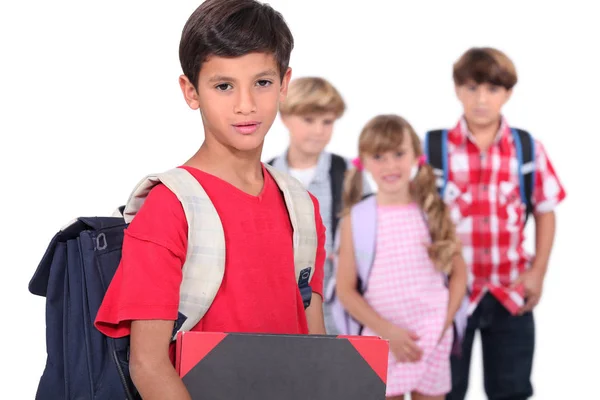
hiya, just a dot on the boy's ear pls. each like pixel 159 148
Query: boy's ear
pixel 284 84
pixel 190 93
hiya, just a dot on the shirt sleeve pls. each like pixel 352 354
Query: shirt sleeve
pixel 147 281
pixel 548 191
pixel 317 279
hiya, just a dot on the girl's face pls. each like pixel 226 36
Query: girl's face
pixel 391 170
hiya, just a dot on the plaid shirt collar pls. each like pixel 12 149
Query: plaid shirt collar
pixel 321 172
pixel 461 134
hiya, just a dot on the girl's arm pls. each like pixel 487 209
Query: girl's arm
pixel 346 285
pixel 402 342
pixel 457 287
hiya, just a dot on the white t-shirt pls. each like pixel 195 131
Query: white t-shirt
pixel 305 176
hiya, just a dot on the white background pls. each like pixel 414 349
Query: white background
pixel 89 103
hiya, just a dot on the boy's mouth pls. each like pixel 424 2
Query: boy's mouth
pixel 246 128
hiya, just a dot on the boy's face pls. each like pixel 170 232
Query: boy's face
pixel 391 169
pixel 482 103
pixel 310 134
pixel 238 98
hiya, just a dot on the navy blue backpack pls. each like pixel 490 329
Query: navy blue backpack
pixel 436 150
pixel 74 275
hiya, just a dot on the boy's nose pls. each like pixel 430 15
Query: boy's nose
pixel 482 96
pixel 319 129
pixel 245 103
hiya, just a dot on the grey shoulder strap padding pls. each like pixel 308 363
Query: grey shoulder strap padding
pixel 301 210
pixel 204 266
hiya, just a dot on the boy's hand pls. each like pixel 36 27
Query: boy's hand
pixel 403 344
pixel 532 281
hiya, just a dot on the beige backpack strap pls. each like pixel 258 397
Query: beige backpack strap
pixel 302 216
pixel 205 260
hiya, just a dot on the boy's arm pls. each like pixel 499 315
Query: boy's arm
pixel 533 279
pixel 314 316
pixel 545 229
pixel 457 288
pixel 547 194
pixel 151 370
pixel 314 312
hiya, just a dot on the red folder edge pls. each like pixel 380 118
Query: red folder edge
pixel 203 345
pixel 370 350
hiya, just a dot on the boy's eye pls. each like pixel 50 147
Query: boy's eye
pixel 494 89
pixel 472 88
pixel 309 120
pixel 264 83
pixel 399 153
pixel 328 122
pixel 377 156
pixel 223 87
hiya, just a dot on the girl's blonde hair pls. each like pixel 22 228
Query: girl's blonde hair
pixel 386 133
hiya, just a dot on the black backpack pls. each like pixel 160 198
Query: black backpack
pixel 436 150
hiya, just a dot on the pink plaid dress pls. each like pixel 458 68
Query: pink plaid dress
pixel 405 288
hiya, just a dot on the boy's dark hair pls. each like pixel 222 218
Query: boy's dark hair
pixel 233 28
pixel 485 65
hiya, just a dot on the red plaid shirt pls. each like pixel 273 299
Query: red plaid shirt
pixel 485 203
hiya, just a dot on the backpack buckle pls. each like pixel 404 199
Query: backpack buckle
pixel 304 286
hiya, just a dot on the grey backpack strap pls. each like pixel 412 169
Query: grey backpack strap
pixel 301 210
pixel 204 267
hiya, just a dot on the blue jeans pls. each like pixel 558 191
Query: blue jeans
pixel 508 346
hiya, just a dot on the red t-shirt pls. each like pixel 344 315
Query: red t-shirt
pixel 259 292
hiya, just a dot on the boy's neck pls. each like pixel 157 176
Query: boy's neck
pixel 484 134
pixel 241 169
pixel 299 160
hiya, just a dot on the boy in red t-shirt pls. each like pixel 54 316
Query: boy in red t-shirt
pixel 234 55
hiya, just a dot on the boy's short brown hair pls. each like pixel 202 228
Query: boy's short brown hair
pixel 485 65
pixel 233 28
pixel 312 95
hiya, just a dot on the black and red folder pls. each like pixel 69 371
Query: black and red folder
pixel 219 366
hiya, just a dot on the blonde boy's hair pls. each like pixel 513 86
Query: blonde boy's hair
pixel 312 95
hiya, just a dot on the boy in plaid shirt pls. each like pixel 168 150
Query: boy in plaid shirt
pixel 483 189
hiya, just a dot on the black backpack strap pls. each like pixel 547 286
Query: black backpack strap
pixel 337 171
pixel 271 161
pixel 525 148
pixel 436 151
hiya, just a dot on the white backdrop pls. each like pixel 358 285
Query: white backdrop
pixel 90 103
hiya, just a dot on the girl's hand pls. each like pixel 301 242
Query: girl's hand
pixel 447 325
pixel 403 344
